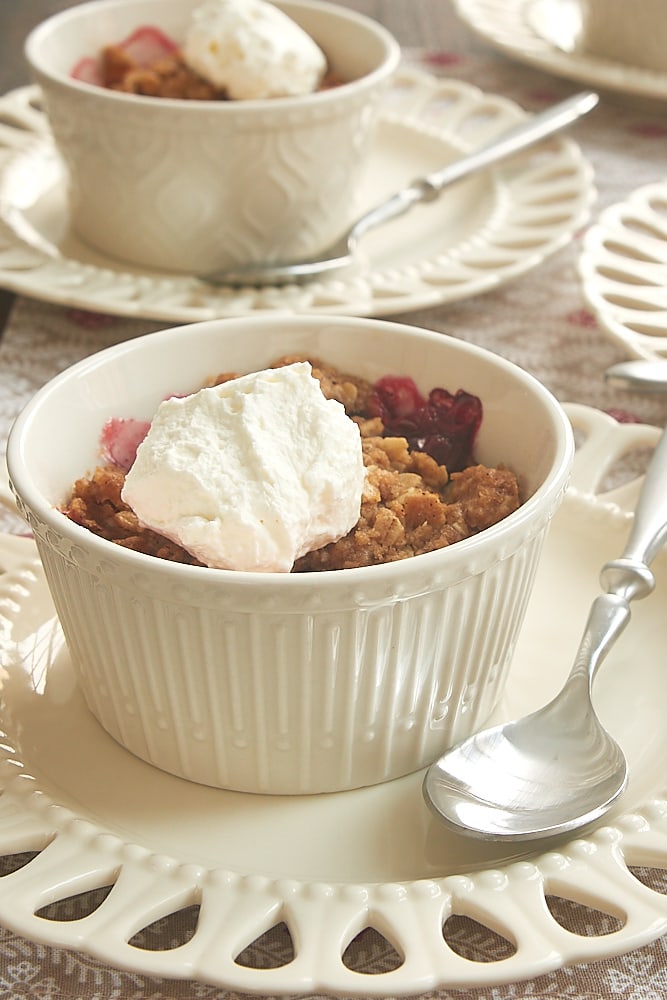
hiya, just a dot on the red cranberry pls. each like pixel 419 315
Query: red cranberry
pixel 445 425
pixel 394 397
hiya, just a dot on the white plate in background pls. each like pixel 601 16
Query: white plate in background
pixel 544 34
pixel 623 268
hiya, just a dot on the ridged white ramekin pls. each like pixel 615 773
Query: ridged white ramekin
pixel 289 683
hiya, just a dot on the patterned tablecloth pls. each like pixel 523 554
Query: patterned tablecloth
pixel 539 321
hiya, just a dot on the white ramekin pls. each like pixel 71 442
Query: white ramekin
pixel 289 683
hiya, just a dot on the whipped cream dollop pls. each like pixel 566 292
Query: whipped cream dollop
pixel 251 474
pixel 252 50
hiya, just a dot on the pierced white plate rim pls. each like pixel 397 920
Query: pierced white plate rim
pixel 537 203
pixel 542 33
pixel 623 268
pixel 79 853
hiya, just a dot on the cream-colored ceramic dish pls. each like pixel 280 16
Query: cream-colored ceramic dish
pixel 545 34
pixel 633 34
pixel 289 683
pixel 483 233
pixel 331 866
pixel 623 268
pixel 197 185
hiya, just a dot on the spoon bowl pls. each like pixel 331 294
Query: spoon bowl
pixel 489 785
pixel 556 769
pixel 341 253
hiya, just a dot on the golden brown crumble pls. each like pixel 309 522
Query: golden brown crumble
pixel 96 504
pixel 410 504
pixel 168 76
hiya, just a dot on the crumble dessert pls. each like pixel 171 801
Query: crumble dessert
pixel 422 489
pixel 233 50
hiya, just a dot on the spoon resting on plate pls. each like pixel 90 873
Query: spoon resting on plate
pixel 341 253
pixel 556 769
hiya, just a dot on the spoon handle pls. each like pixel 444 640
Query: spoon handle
pixel 608 616
pixel 629 577
pixel 642 374
pixel 649 526
pixel 521 136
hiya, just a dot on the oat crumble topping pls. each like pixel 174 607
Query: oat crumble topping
pixel 410 504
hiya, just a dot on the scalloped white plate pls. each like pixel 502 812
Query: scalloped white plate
pixel 485 231
pixel 623 267
pixel 330 866
pixel 544 33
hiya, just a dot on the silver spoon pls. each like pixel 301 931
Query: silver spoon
pixel 556 769
pixel 644 375
pixel 428 188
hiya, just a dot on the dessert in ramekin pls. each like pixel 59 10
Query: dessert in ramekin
pixel 289 682
pixel 196 185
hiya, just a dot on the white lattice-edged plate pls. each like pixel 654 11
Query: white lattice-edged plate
pixel 544 34
pixel 483 232
pixel 327 867
pixel 623 266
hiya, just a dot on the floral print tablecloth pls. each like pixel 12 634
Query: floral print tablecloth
pixel 539 321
